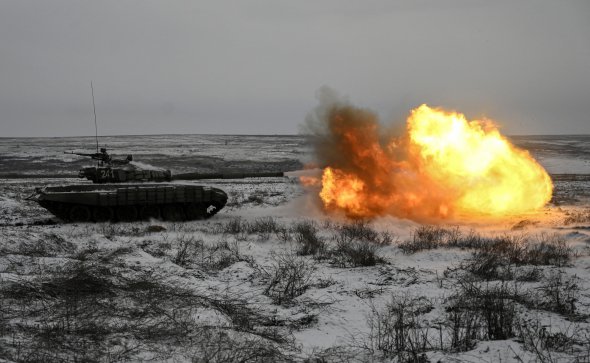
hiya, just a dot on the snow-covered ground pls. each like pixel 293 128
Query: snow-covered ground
pixel 273 278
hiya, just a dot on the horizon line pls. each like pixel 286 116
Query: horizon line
pixel 223 134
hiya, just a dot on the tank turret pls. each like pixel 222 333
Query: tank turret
pixel 111 170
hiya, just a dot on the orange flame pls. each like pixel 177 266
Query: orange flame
pixel 443 166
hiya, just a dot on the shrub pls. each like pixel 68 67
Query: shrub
pixel 188 248
pixel 559 293
pixel 472 240
pixel 359 230
pixel 287 277
pixel 362 231
pixel 355 254
pixel 49 245
pixel 235 226
pixel 220 347
pixel 222 255
pixel 480 311
pixel 306 235
pixel 489 266
pixel 528 273
pixel 573 217
pixel 497 258
pixel 396 330
pixel 431 237
pixel 356 245
pixel 94 311
pixel 540 340
pixel 549 249
pixel 263 227
pixel 193 252
pixel 155 248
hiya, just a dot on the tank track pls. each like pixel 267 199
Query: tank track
pixel 71 212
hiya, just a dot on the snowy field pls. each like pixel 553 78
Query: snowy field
pixel 272 278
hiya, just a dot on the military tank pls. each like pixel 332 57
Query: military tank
pixel 124 192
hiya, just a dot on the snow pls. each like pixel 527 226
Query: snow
pixel 338 302
pixel 556 165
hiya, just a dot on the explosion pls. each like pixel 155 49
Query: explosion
pixel 442 166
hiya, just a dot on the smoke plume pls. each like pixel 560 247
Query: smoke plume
pixel 442 165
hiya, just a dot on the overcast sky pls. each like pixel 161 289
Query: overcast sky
pixel 253 67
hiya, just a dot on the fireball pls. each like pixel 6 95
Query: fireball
pixel 442 166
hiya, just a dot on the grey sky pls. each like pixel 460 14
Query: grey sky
pixel 253 67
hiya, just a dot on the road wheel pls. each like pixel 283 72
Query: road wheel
pixel 103 214
pixel 79 213
pixel 127 213
pixel 148 212
pixel 173 213
pixel 194 211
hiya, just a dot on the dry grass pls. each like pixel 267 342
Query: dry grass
pixel 397 331
pixel 357 245
pixel 287 277
pixel 308 239
pixel 85 312
pixel 479 311
pixel 431 237
pixel 498 259
pixel 93 306
pixel 577 217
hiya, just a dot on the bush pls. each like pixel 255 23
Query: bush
pixel 222 255
pixel 549 249
pixel 559 293
pixel 263 227
pixel 498 258
pixel 477 311
pixel 288 277
pixel 192 252
pixel 306 235
pixel 235 226
pixel 222 347
pixel 362 231
pixel 357 245
pixel 156 248
pixel 489 266
pixel 355 254
pixel 86 312
pixel 397 332
pixel 573 217
pixel 540 340
pixel 431 237
pixel 49 245
pixel 188 249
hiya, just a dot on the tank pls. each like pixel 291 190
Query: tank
pixel 124 191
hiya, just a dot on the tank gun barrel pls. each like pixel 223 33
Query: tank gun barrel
pixel 100 156
pixel 79 154
pixel 200 176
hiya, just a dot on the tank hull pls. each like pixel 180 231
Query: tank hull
pixel 128 203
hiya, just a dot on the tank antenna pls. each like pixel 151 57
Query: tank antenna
pixel 95 124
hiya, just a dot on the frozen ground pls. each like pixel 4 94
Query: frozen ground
pixel 271 278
